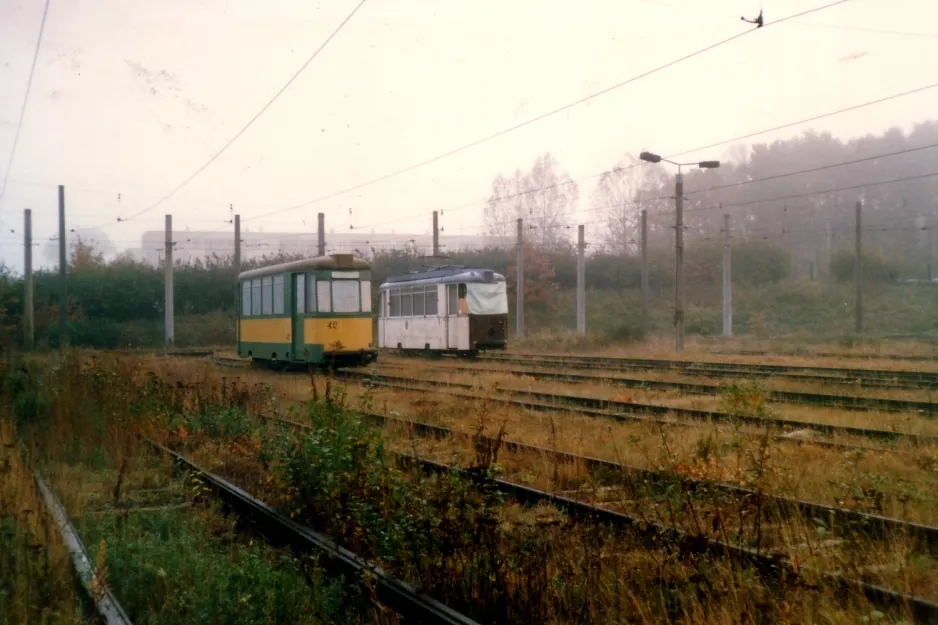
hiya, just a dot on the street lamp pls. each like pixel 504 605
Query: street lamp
pixel 679 240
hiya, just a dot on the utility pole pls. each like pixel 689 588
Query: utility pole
pixel 828 244
pixel 678 241
pixel 237 270
pixel 436 234
pixel 727 279
pixel 63 274
pixel 679 262
pixel 930 231
pixel 581 282
pixel 644 251
pixel 519 303
pixel 29 327
pixel 168 281
pixel 322 235
pixel 858 269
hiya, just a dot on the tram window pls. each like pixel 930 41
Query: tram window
pixel 419 300
pixel 366 295
pixel 451 299
pixel 407 302
pixel 299 284
pixel 267 295
pixel 431 300
pixel 324 295
pixel 310 293
pixel 256 296
pixel 246 298
pixel 346 296
pixel 278 295
pixel 395 303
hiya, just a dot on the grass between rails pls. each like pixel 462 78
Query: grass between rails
pixel 164 549
pixel 450 534
pixel 733 350
pixel 506 383
pixel 171 556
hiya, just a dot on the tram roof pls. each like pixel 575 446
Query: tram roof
pixel 446 275
pixel 332 261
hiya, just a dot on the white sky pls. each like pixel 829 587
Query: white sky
pixel 130 97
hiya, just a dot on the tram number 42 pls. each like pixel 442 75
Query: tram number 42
pixel 333 325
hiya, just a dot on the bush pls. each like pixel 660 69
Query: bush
pixel 875 268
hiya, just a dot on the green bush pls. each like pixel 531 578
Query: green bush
pixel 875 268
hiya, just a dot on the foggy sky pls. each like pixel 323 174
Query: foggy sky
pixel 131 97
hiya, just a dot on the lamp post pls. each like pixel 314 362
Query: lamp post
pixel 679 241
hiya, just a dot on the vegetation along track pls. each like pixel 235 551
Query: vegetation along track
pixel 630 411
pixel 106 608
pixel 279 529
pixel 772 567
pixel 816 399
pixel 874 378
pixel 845 521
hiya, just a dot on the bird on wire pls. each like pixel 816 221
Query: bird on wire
pixel 757 21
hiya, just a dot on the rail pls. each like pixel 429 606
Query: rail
pixel 414 606
pixel 775 567
pixel 604 407
pixel 869 525
pixel 817 399
pixel 870 378
pixel 108 609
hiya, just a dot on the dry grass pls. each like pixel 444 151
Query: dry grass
pixel 507 382
pixel 698 350
pixel 707 591
pixel 36 579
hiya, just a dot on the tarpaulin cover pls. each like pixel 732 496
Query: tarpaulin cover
pixel 487 299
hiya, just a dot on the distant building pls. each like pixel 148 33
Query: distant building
pixel 191 245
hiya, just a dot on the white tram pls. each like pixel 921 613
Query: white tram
pixel 445 309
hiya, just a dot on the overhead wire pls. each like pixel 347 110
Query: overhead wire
pixel 542 116
pixel 29 84
pixel 674 155
pixel 251 121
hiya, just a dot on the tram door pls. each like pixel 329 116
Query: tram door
pixel 299 310
pixel 452 310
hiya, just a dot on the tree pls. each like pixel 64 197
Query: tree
pixel 543 198
pixel 84 255
pixel 539 284
pixel 619 198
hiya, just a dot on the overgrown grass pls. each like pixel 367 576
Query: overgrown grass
pixel 180 566
pixel 448 533
pixel 36 581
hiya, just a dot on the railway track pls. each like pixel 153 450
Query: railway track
pixel 278 529
pixel 627 411
pixel 101 607
pixel 846 402
pixel 774 567
pixel 847 521
pixel 872 378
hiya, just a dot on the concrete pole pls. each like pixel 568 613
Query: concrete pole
pixel 29 324
pixel 168 281
pixel 727 279
pixel 679 263
pixel 63 274
pixel 519 303
pixel 858 269
pixel 644 251
pixel 237 270
pixel 581 282
pixel 322 235
pixel 436 234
